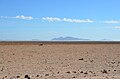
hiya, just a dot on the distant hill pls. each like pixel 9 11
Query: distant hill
pixel 106 40
pixel 68 39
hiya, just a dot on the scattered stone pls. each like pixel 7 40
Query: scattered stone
pixel 90 71
pixel 65 59
pixel 37 75
pixel 2 69
pixel 91 61
pixel 46 74
pixel 74 71
pixel 26 76
pixel 68 72
pixel 58 72
pixel 81 59
pixel 85 73
pixel 104 71
pixel 9 61
pixel 40 44
pixel 5 76
pixel 73 77
pixel 113 62
pixel 18 76
pixel 81 72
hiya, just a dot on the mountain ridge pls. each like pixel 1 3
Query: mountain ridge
pixel 68 38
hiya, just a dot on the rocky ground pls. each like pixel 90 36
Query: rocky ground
pixel 60 61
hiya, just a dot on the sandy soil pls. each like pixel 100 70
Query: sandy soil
pixel 60 61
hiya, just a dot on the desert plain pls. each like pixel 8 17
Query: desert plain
pixel 59 61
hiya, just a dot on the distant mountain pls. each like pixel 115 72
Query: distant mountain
pixel 105 40
pixel 68 39
pixel 35 39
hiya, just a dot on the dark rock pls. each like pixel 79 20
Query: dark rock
pixel 74 71
pixel 26 76
pixel 81 72
pixel 91 61
pixel 37 75
pixel 5 76
pixel 68 72
pixel 104 71
pixel 58 72
pixel 46 74
pixel 40 44
pixel 81 59
pixel 18 76
pixel 2 69
pixel 85 73
pixel 73 77
pixel 113 62
pixel 2 77
pixel 90 71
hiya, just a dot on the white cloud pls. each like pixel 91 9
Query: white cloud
pixel 77 20
pixel 24 17
pixel 117 27
pixel 4 17
pixel 52 19
pixel 19 17
pixel 112 22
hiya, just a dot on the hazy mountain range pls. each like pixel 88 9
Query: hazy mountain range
pixel 68 39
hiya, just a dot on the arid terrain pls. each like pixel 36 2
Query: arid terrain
pixel 60 61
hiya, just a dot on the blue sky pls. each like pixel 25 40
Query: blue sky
pixel 47 19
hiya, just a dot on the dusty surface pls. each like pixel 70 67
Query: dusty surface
pixel 60 61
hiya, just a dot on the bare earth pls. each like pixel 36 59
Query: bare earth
pixel 60 61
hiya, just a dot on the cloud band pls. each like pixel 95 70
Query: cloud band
pixel 53 19
pixel 19 17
